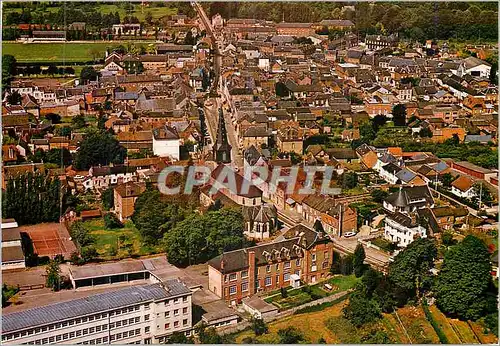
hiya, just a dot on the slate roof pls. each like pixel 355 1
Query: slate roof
pixel 407 194
pixel 12 254
pixel 90 305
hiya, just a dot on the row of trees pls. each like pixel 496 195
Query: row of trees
pixel 34 198
pixel 416 20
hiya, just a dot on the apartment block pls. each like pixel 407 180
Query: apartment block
pixel 145 314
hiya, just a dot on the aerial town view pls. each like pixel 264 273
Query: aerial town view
pixel 249 172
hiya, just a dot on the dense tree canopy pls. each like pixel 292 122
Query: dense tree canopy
pixel 464 286
pixel 99 148
pixel 201 237
pixel 40 194
pixel 410 270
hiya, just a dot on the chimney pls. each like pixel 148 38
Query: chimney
pixel 251 272
pixel 222 264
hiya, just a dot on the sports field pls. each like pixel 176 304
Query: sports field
pixel 46 52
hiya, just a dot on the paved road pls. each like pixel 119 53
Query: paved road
pixel 212 114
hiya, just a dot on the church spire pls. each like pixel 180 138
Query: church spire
pixel 222 148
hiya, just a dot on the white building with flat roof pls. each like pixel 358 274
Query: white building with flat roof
pixel 144 314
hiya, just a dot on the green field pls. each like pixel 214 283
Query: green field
pixel 58 52
pixel 118 243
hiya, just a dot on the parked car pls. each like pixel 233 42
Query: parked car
pixel 349 234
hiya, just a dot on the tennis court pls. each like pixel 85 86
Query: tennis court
pixel 50 239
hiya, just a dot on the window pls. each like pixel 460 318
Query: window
pixel 176 324
pixel 277 267
pixel 167 325
pixel 176 301
pixel 277 279
pixel 244 287
pixel 146 317
pixel 184 299
pixel 268 268
pixel 184 310
pixel 85 331
pixel 184 322
pixel 286 265
pixel 286 277
pixel 232 290
pixel 297 262
pixel 232 277
pixel 146 307
pixel 313 257
pixel 268 281
pixel 326 254
pixel 72 334
pixel 325 264
pixel 146 329
pixel 167 313
pixel 244 274
pixel 78 333
pixel 167 302
pixel 176 312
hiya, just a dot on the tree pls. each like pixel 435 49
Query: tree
pixel 358 260
pixel 89 253
pixel 425 133
pixel 108 198
pixel 447 239
pixel 379 195
pixel 259 327
pixel 99 148
pixel 52 69
pixel 378 121
pixel 53 118
pixel 410 270
pixel 80 234
pixel 464 287
pixel 87 74
pixel 349 180
pixel 199 238
pixel 399 115
pixel 14 98
pixel 111 221
pixel 281 89
pixel 179 338
pixel 447 179
pixel 148 17
pixel 367 132
pixel 290 335
pixel 361 310
pixel 208 335
pixel 9 64
pixel 78 121
pixel 53 271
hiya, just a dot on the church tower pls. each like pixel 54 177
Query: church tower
pixel 222 148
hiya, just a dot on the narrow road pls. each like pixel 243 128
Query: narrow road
pixel 211 115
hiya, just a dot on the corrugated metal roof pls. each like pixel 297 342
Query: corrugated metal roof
pixel 91 305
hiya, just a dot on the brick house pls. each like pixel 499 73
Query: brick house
pixel 301 252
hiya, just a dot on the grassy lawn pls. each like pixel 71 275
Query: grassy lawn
pixel 329 324
pixel 358 190
pixel 118 243
pixel 418 328
pixel 42 52
pixel 445 326
pixel 301 296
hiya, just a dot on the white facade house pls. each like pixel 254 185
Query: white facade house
pixel 103 177
pixel 143 314
pixel 474 67
pixel 166 142
pixel 403 229
pixel 463 187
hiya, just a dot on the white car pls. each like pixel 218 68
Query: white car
pixel 349 234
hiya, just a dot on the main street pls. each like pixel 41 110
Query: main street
pixel 212 113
